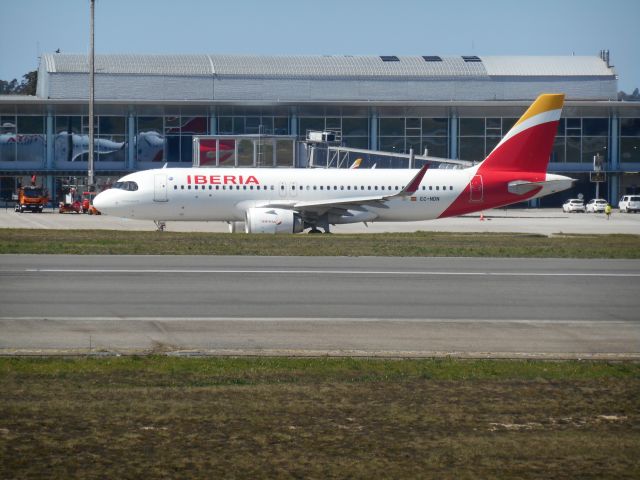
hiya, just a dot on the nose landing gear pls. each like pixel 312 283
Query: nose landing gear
pixel 160 225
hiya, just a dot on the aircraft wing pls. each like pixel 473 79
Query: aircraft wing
pixel 319 207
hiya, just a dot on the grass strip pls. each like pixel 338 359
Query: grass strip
pixel 420 244
pixel 166 417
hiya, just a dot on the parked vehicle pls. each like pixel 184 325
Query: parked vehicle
pixel 573 205
pixel 629 203
pixel 596 205
pixel 31 198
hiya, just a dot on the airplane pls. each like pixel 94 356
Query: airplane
pixel 291 200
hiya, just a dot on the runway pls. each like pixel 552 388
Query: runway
pixel 320 306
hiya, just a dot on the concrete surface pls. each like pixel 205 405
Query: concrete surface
pixel 541 221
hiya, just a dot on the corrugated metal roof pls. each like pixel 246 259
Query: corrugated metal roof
pixel 130 64
pixel 326 66
pixel 343 66
pixel 569 66
pixel 272 66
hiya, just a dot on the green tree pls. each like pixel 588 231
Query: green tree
pixel 26 87
pixel 633 97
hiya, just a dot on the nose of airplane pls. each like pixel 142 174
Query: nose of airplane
pixel 103 202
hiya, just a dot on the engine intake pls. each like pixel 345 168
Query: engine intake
pixel 272 220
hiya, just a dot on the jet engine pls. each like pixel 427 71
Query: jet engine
pixel 272 220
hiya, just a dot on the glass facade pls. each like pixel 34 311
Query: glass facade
pixel 167 138
pixel 71 139
pixel 579 139
pixel 354 131
pixel 22 138
pixel 156 139
pixel 253 125
pixel 400 134
pixel 630 140
pixel 478 136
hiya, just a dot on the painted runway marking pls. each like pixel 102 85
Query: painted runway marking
pixel 464 321
pixel 331 272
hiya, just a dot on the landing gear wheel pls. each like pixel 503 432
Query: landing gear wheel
pixel 314 230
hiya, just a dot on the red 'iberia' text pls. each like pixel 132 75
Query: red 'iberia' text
pixel 222 180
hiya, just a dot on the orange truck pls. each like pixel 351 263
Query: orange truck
pixel 32 198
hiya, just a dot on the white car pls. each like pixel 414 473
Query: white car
pixel 573 205
pixel 596 205
pixel 629 203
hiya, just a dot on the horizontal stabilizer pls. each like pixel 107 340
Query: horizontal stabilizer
pixel 522 187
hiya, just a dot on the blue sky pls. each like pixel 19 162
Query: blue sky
pixel 324 27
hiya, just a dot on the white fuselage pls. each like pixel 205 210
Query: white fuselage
pixel 218 194
pixel 225 194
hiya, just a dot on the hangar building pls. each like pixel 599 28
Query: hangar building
pixel 149 108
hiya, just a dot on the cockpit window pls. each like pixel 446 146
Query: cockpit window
pixel 130 186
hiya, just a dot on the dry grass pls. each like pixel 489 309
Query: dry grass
pixel 279 418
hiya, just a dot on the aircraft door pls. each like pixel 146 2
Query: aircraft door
pixel 475 189
pixel 160 188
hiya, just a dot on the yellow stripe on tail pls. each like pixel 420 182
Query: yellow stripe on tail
pixel 544 103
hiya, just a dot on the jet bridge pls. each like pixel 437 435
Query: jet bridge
pixel 323 152
pixel 244 151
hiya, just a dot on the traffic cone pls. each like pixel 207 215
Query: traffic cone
pixel 481 216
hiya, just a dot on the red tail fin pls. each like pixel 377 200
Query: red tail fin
pixel 528 145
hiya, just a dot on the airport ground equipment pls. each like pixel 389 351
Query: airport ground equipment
pixel 31 198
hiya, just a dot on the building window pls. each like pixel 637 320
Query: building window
pixel 24 139
pixel 630 140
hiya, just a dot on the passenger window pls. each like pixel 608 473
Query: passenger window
pixel 437 187
pixel 189 187
pixel 175 187
pixel 430 187
pixel 450 187
pixel 348 187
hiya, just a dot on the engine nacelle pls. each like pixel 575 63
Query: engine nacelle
pixel 272 220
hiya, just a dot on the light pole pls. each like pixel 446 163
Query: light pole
pixel 90 173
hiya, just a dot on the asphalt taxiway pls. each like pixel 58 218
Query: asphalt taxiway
pixel 550 308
